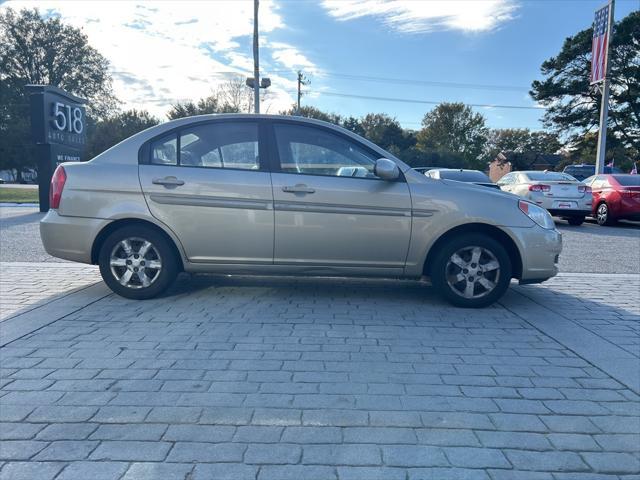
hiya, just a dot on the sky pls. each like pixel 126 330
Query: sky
pixel 417 53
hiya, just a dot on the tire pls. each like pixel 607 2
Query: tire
pixel 159 264
pixel 575 221
pixel 444 271
pixel 603 215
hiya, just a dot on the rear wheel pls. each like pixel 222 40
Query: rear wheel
pixel 137 262
pixel 575 220
pixel 472 271
pixel 603 215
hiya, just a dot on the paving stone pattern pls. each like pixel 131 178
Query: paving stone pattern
pixel 241 378
pixel 25 286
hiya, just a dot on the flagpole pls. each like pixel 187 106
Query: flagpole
pixel 604 106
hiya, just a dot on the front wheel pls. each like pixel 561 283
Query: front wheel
pixel 472 271
pixel 575 221
pixel 137 262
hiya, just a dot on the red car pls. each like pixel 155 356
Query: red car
pixel 615 197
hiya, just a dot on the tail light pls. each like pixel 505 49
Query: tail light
pixel 539 188
pixel 584 189
pixel 57 184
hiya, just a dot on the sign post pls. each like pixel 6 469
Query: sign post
pixel 58 127
pixel 600 72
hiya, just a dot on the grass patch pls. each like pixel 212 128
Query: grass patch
pixel 18 195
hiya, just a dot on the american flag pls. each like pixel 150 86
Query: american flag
pixel 599 45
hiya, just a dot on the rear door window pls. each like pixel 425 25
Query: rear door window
pixel 220 145
pixel 164 151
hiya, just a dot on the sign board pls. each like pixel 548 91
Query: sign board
pixel 58 127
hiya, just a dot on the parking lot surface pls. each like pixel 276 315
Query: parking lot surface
pixel 277 378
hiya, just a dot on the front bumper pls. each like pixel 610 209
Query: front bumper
pixel 540 249
pixel 70 238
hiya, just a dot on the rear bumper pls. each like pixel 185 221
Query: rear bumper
pixel 70 238
pixel 569 213
pixel 540 249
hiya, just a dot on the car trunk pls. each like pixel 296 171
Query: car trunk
pixel 561 189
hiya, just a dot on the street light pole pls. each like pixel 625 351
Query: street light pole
pixel 256 59
pixel 604 106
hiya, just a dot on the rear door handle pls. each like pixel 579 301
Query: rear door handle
pixel 299 188
pixel 168 181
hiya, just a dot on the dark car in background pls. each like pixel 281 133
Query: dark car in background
pixel 461 175
pixel 615 197
pixel 585 170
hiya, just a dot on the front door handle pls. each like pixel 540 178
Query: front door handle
pixel 168 181
pixel 299 188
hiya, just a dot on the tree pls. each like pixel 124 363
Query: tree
pixel 188 109
pixel 573 106
pixel 233 96
pixel 353 124
pixel 385 131
pixel 453 128
pixel 520 140
pixel 34 50
pixel 112 130
pixel 584 151
pixel 313 112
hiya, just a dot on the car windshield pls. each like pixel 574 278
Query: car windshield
pixel 464 176
pixel 550 177
pixel 628 180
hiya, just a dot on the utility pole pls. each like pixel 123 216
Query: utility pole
pixel 256 59
pixel 302 80
pixel 604 106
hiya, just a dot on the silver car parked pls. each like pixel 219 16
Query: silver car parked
pixel 263 194
pixel 561 194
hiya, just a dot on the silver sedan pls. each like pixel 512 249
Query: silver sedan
pixel 259 194
pixel 560 193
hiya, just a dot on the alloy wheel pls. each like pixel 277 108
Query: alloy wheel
pixel 602 213
pixel 472 272
pixel 135 263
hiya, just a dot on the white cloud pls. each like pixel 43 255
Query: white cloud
pixel 165 51
pixel 291 57
pixel 412 16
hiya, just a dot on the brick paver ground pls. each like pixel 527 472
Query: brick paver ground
pixel 263 378
pixel 25 286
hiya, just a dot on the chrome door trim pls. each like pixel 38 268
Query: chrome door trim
pixel 207 201
pixel 422 213
pixel 343 209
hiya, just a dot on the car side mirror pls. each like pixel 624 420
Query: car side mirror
pixel 386 169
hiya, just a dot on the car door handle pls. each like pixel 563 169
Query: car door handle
pixel 168 181
pixel 299 188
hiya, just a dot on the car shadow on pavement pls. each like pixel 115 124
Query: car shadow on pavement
pixel 15 220
pixel 389 291
pixel 581 307
pixel 325 287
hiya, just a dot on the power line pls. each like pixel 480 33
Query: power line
pixel 407 81
pixel 429 102
pixel 404 81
